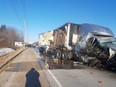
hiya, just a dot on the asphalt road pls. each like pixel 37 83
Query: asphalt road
pixel 24 71
pixel 69 74
pixel 82 77
pixel 30 70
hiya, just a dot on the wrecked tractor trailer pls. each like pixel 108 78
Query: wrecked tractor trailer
pixel 87 43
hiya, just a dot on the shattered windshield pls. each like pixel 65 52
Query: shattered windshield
pixel 114 43
pixel 108 44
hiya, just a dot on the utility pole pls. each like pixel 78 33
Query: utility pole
pixel 24 33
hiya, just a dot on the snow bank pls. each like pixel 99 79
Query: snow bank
pixel 4 51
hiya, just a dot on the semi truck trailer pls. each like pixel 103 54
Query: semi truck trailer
pixel 88 43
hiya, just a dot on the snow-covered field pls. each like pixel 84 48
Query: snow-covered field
pixel 4 51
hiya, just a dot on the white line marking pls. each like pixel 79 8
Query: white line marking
pixel 59 84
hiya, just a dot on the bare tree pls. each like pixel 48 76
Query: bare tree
pixel 9 35
pixel 3 36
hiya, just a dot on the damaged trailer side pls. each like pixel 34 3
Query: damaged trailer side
pixel 65 39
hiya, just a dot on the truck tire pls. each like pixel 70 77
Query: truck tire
pixel 65 55
pixel 58 54
pixel 70 55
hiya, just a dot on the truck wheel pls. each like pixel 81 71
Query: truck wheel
pixel 70 55
pixel 58 55
pixel 65 55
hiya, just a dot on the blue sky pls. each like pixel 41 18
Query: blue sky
pixel 46 15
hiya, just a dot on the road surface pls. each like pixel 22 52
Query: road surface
pixel 70 74
pixel 24 71
pixel 30 70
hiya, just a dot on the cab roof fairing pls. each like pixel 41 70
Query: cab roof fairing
pixel 95 29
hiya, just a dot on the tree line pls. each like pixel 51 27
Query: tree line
pixel 9 35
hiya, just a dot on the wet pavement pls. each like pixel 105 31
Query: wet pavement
pixel 61 64
pixel 54 63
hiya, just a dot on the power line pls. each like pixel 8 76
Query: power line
pixel 25 19
pixel 23 8
pixel 24 11
pixel 12 4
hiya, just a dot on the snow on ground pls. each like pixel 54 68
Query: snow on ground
pixel 4 51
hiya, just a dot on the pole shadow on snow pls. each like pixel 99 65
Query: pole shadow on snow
pixel 32 78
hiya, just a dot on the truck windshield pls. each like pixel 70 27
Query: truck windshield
pixel 108 44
